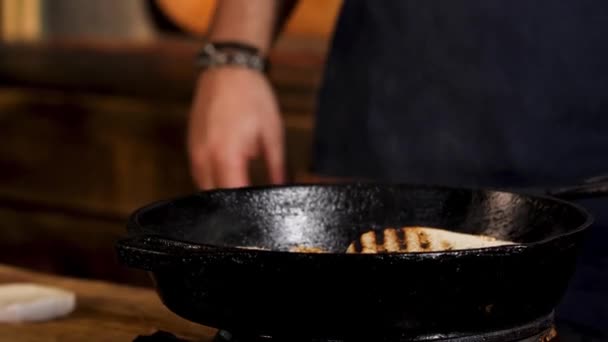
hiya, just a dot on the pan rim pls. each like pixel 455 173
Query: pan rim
pixel 135 228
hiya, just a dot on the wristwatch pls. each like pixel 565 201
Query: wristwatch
pixel 216 54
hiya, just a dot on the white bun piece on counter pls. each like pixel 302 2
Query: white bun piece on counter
pixel 25 302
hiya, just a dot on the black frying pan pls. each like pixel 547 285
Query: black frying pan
pixel 190 246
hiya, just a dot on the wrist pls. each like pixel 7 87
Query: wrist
pixel 227 78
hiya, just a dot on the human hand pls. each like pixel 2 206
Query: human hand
pixel 234 118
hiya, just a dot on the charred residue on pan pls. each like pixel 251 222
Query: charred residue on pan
pixel 488 308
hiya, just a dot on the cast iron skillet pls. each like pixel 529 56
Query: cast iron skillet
pixel 190 246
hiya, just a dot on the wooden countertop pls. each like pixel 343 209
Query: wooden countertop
pixel 104 312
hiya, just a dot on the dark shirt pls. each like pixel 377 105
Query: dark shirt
pixel 502 93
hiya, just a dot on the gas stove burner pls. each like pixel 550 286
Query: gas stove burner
pixel 159 336
pixel 541 330
pixel 546 336
pixel 224 336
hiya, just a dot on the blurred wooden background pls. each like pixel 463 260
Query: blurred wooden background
pixel 312 17
pixel 92 127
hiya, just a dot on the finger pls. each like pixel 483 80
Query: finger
pixel 230 171
pixel 206 178
pixel 201 170
pixel 274 152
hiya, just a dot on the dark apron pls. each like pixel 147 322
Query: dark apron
pixel 474 93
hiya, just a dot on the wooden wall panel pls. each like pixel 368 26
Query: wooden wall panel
pixel 54 241
pixel 101 154
pixel 164 69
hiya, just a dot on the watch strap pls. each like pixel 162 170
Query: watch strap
pixel 217 54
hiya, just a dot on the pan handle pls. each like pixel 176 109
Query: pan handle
pixel 591 188
pixel 150 252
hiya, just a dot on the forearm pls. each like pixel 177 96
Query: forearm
pixel 255 22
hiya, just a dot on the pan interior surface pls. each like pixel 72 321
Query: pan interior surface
pixel 330 217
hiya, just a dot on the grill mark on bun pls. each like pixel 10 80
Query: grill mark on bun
pixel 446 245
pixel 402 239
pixel 423 240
